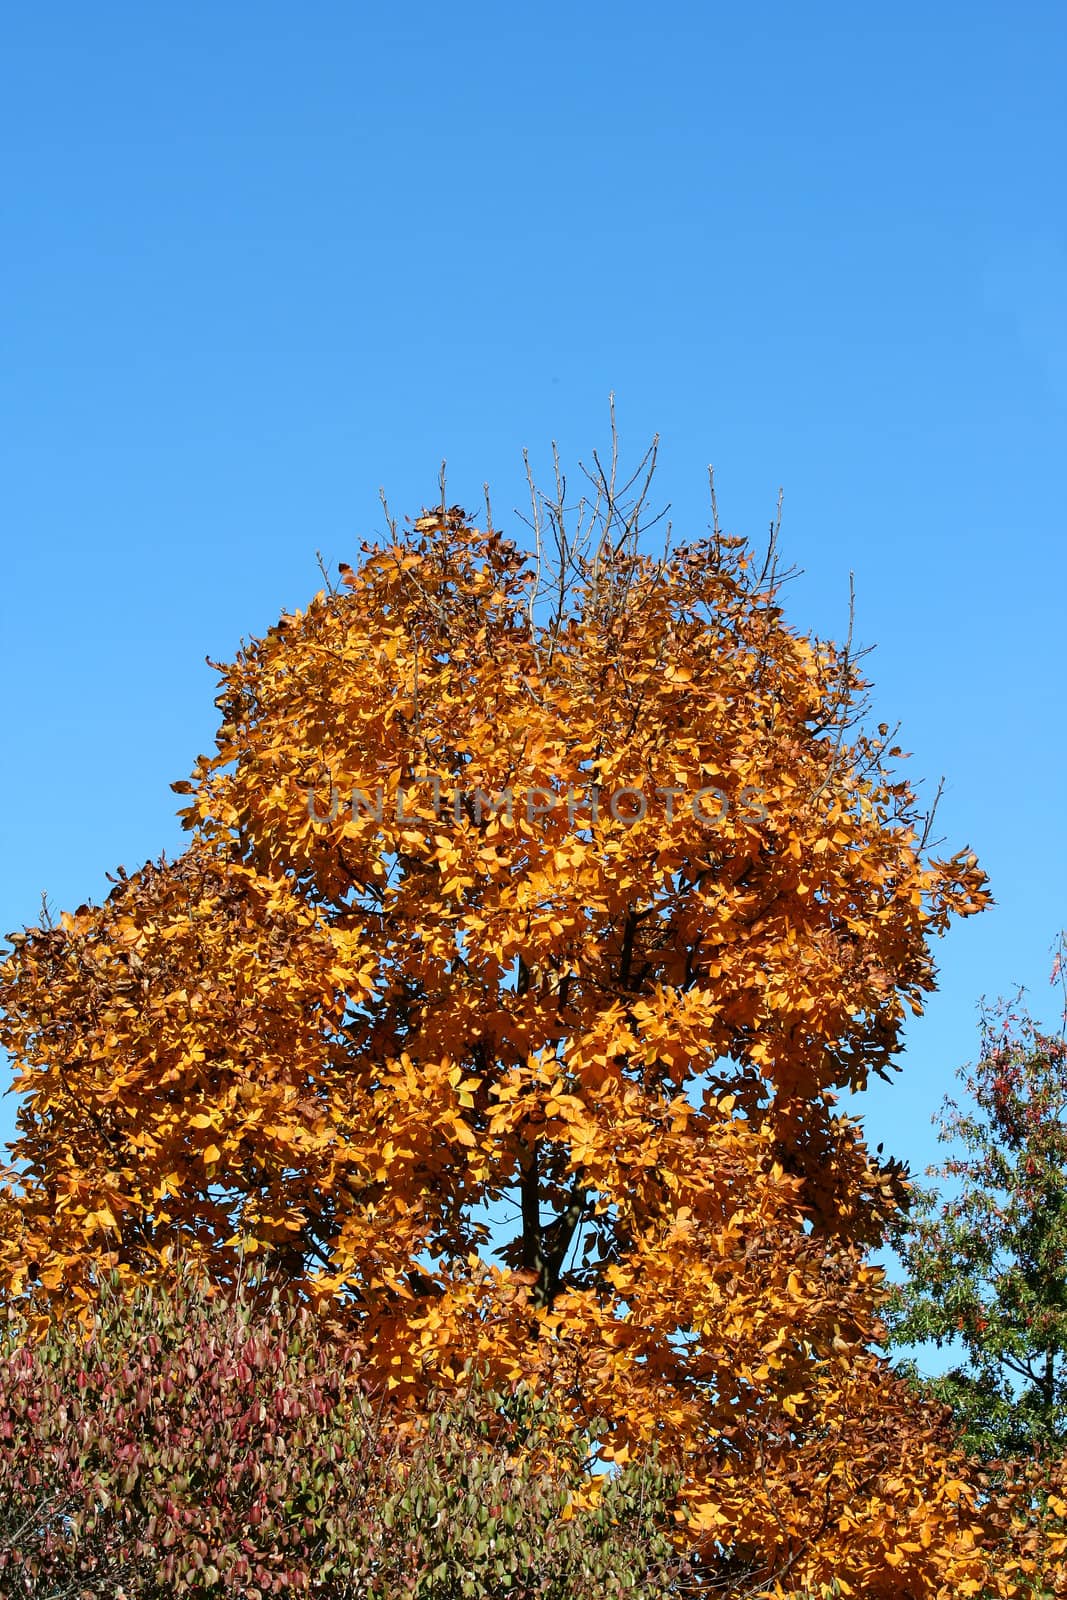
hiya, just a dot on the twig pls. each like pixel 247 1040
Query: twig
pixel 391 521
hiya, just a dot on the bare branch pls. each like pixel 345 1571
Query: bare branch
pixel 320 562
pixel 390 520
pixel 715 528
pixel 770 560
pixel 928 820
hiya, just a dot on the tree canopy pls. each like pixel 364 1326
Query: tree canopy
pixel 533 911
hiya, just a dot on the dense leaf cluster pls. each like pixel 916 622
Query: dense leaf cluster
pixel 190 1446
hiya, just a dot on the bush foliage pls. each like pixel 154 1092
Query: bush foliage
pixel 185 1445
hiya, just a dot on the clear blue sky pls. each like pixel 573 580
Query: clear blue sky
pixel 259 260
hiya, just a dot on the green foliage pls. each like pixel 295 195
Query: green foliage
pixel 987 1266
pixel 184 1445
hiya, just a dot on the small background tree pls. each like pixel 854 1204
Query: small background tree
pixel 987 1265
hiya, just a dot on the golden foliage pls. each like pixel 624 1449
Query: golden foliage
pixel 376 1017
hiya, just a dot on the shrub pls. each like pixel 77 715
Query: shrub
pixel 190 1445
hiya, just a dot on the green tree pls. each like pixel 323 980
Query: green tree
pixel 986 1265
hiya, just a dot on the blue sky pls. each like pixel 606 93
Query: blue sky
pixel 259 261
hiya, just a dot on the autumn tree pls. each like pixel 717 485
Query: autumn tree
pixel 986 1263
pixel 535 908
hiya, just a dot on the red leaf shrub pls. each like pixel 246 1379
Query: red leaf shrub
pixel 189 1445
